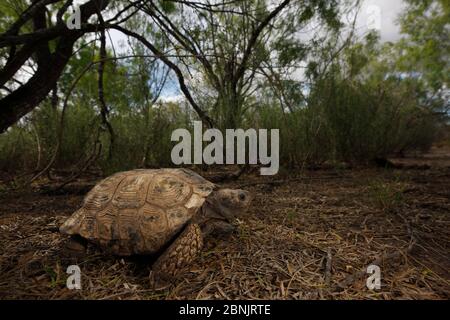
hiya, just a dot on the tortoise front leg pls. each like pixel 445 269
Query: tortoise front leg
pixel 180 253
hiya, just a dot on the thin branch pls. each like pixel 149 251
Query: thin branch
pixel 202 114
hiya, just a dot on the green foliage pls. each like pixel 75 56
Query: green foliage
pixel 140 141
pixel 357 101
pixel 350 121
pixel 142 128
pixel 386 196
pixel 426 46
pixel 167 6
pixel 354 112
pixel 17 149
pixel 143 140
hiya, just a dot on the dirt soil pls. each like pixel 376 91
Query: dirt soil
pixel 306 236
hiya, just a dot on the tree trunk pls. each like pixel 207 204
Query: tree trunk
pixel 26 98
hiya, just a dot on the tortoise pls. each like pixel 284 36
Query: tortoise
pixel 166 212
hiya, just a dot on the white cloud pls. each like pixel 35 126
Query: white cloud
pixel 171 98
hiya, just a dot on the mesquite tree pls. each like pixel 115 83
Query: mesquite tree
pixel 36 37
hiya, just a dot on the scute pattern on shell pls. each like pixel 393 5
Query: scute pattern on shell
pixel 139 211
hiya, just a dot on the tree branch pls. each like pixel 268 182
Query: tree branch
pixel 202 114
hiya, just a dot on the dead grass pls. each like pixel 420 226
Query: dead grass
pixel 309 238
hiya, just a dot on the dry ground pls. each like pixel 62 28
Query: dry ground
pixel 309 236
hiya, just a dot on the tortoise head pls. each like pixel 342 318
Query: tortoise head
pixel 227 204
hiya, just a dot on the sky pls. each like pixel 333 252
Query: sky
pixel 388 12
pixel 375 14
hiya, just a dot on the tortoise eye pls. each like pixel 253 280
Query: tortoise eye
pixel 242 196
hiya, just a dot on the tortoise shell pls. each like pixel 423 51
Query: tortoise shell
pixel 139 211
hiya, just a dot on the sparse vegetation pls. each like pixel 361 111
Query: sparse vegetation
pixel 386 196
